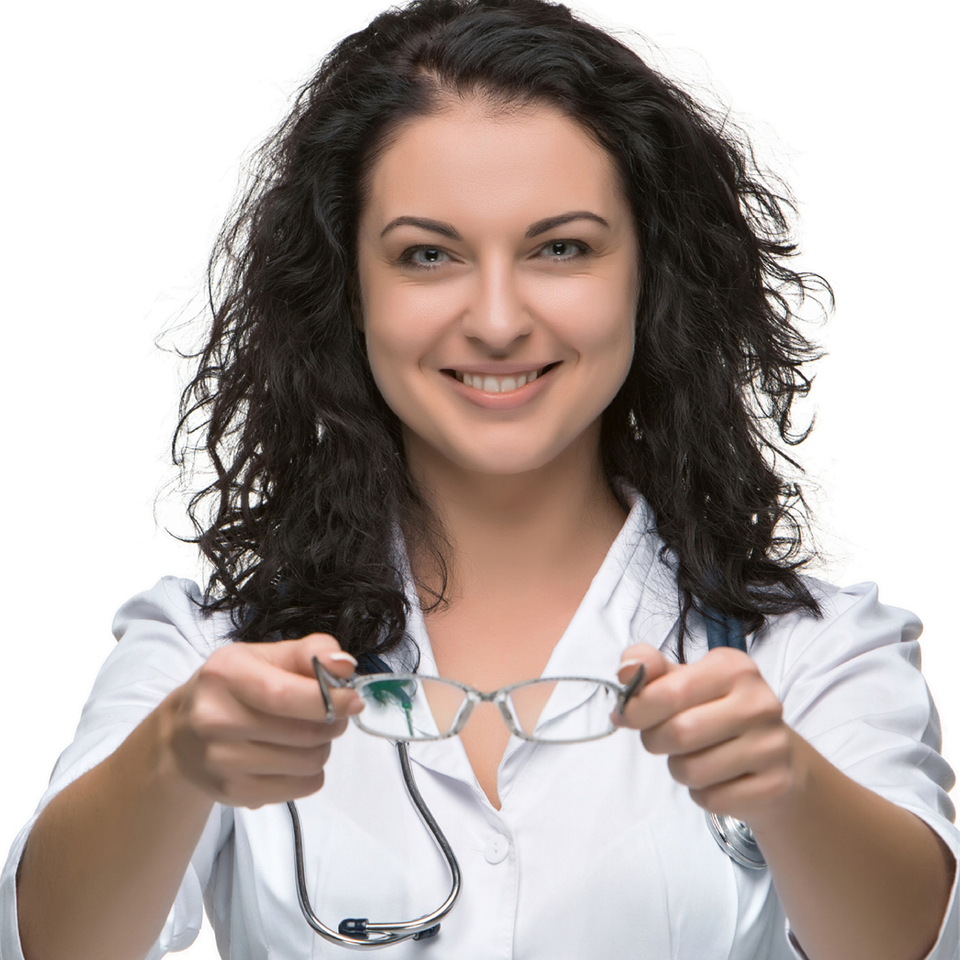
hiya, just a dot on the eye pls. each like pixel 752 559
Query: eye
pixel 564 250
pixel 423 257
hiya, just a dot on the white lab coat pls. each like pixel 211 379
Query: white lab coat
pixel 596 851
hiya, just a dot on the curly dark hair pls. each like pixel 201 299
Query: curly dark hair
pixel 311 480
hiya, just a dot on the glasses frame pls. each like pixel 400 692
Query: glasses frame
pixel 473 696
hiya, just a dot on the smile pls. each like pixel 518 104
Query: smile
pixel 493 384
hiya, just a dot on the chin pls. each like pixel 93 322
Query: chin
pixel 505 462
pixel 504 452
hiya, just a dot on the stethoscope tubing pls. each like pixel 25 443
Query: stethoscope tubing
pixel 384 933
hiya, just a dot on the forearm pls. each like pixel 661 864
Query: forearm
pixel 858 876
pixel 105 859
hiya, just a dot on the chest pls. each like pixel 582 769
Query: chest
pixel 489 649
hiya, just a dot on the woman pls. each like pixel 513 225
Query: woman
pixel 471 195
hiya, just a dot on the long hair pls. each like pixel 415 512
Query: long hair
pixel 311 484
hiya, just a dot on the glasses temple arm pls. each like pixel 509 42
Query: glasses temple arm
pixel 326 680
pixel 631 689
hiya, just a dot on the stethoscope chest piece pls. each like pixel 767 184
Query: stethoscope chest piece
pixel 736 840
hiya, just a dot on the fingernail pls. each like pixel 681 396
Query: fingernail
pixel 342 655
pixel 630 663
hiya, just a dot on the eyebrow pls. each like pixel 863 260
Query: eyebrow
pixel 548 223
pixel 434 226
pixel 534 230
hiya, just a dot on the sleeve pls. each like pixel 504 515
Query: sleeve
pixel 162 642
pixel 851 686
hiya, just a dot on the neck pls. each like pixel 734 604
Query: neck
pixel 508 533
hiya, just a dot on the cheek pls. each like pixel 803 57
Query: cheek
pixel 607 345
pixel 615 356
pixel 389 356
pixel 397 342
pixel 620 332
pixel 600 323
pixel 394 333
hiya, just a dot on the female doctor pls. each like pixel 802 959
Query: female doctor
pixel 503 342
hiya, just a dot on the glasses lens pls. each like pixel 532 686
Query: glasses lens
pixel 408 707
pixel 564 711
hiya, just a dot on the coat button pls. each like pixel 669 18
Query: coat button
pixel 497 848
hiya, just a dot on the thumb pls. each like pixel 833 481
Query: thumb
pixel 296 656
pixel 653 661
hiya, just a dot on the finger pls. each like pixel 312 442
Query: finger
pixel 260 682
pixel 297 655
pixel 238 722
pixel 686 686
pixel 639 665
pixel 232 760
pixel 750 704
pixel 259 790
pixel 744 797
pixel 695 729
pixel 750 795
pixel 654 663
pixel 756 752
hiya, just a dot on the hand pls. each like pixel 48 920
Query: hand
pixel 720 726
pixel 249 726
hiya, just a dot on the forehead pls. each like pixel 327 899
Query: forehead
pixel 470 156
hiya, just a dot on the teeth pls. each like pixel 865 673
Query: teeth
pixel 497 384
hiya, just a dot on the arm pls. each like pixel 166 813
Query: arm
pixel 110 851
pixel 105 859
pixel 857 875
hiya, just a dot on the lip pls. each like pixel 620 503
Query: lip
pixel 501 401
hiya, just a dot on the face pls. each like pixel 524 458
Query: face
pixel 499 278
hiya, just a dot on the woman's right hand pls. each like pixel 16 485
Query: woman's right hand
pixel 249 726
pixel 110 851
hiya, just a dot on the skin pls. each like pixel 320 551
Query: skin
pixel 517 484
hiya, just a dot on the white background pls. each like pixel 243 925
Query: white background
pixel 124 125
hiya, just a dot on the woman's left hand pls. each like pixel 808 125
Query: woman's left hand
pixel 720 726
pixel 857 875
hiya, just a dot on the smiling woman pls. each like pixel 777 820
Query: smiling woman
pixel 483 347
pixel 503 355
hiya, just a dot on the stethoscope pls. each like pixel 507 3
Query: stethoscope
pixel 733 836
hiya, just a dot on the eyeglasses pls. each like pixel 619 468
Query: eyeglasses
pixel 408 707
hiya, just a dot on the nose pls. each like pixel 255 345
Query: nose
pixel 496 315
